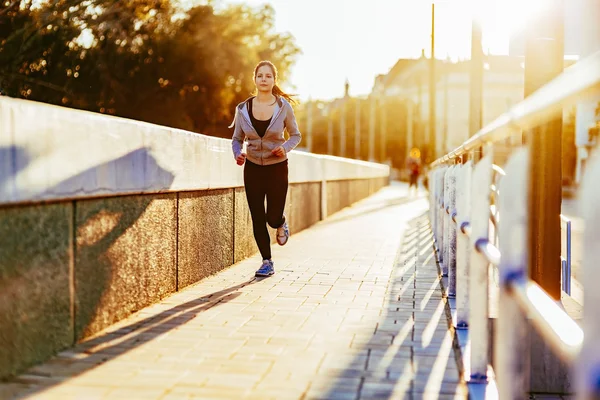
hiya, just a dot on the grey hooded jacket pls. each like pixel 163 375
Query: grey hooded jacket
pixel 258 150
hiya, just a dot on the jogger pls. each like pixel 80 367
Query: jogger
pixel 260 121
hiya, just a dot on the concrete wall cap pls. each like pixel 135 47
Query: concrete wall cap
pixel 50 153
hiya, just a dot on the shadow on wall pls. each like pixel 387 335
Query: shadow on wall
pixel 104 239
pixel 13 159
pixel 120 266
pixel 133 171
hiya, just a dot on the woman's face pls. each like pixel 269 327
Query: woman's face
pixel 264 80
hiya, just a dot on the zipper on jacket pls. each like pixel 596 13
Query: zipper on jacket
pixel 262 162
pixel 272 121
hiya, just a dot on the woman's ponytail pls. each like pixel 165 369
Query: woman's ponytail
pixel 278 92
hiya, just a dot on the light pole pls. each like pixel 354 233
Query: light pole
pixel 476 80
pixel 382 129
pixel 372 104
pixel 432 100
pixel 586 109
pixel 357 131
pixel 409 127
pixel 329 129
pixel 343 121
pixel 544 60
pixel 445 118
pixel 423 142
pixel 309 125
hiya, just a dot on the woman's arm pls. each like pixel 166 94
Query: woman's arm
pixel 237 140
pixel 292 128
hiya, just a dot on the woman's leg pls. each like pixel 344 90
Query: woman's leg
pixel 277 186
pixel 254 183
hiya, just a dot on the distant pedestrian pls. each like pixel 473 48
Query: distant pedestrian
pixel 260 120
pixel 413 166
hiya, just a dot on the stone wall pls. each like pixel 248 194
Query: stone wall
pixel 101 216
pixel 70 269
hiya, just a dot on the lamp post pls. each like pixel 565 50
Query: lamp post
pixel 409 127
pixel 329 129
pixel 382 129
pixel 357 131
pixel 544 60
pixel 343 121
pixel 309 125
pixel 586 109
pixel 372 104
pixel 432 100
pixel 476 81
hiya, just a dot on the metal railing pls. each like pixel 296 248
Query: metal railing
pixel 566 260
pixel 460 217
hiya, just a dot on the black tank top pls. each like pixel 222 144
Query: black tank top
pixel 259 125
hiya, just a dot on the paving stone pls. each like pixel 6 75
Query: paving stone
pixel 349 309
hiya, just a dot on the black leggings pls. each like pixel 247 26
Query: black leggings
pixel 270 181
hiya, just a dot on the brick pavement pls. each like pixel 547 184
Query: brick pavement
pixel 354 311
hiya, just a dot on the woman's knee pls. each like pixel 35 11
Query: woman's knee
pixel 274 221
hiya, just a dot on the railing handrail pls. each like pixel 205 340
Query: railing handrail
pixel 457 196
pixel 540 308
pixel 575 82
pixel 551 321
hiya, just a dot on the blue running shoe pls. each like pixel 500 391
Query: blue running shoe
pixel 266 269
pixel 283 234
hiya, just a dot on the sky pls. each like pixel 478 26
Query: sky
pixel 359 39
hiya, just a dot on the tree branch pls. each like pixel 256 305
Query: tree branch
pixel 38 82
pixel 11 5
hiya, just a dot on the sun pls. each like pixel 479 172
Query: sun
pixel 516 14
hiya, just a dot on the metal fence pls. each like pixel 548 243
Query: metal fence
pixel 479 216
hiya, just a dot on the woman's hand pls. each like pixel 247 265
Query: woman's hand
pixel 279 151
pixel 240 159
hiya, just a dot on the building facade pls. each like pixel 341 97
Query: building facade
pixel 503 86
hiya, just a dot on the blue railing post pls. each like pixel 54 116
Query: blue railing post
pixel 434 204
pixel 446 217
pixel 463 245
pixel 588 364
pixel 440 216
pixel 566 261
pixel 567 275
pixel 510 345
pixel 446 225
pixel 478 287
pixel 451 232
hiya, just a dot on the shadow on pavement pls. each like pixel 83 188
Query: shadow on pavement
pixel 111 344
pixel 410 354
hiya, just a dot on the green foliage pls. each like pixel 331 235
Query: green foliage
pixel 139 59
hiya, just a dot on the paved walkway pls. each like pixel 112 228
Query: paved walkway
pixel 354 312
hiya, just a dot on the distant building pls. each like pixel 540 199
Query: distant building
pixel 503 87
pixel 503 81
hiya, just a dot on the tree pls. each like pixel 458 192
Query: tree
pixel 139 59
